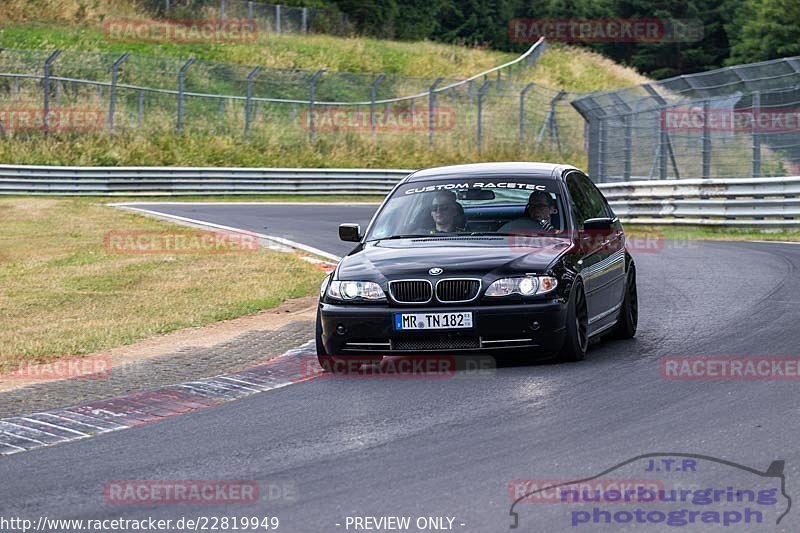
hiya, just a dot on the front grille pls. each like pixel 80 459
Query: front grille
pixel 435 343
pixel 457 290
pixel 411 291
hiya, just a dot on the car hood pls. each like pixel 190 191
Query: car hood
pixel 404 258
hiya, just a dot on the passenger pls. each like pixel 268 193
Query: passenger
pixel 537 219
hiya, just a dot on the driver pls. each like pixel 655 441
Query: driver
pixel 446 213
pixel 537 216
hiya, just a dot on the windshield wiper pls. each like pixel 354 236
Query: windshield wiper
pixel 485 234
pixel 405 236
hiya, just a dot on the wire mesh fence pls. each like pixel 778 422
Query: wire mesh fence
pixel 119 92
pixel 735 122
pixel 741 121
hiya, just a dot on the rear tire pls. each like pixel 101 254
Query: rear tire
pixel 576 340
pixel 339 365
pixel 629 313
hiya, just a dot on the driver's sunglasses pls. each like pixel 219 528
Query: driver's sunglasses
pixel 441 207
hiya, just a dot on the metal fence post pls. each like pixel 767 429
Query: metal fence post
pixel 248 102
pixel 756 135
pixel 664 143
pixel 277 18
pixel 166 7
pixel 373 93
pixel 46 85
pixel 522 94
pixel 432 109
pixel 181 83
pixel 706 170
pixel 304 21
pixel 112 92
pixel 250 10
pixel 222 9
pixel 601 150
pixel 549 125
pixel 627 152
pixel 662 150
pixel 471 91
pixel 627 119
pixel 220 112
pixel 481 93
pixel 312 95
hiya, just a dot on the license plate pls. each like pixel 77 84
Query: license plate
pixel 421 321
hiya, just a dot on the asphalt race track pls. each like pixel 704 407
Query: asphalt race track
pixel 338 447
pixel 312 225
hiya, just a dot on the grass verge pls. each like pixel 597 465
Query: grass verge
pixel 694 233
pixel 63 293
pixel 279 149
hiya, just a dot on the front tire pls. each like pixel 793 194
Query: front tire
pixel 629 313
pixel 577 328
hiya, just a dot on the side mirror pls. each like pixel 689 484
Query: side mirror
pixel 598 224
pixel 350 232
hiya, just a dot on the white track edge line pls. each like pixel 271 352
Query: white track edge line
pixel 278 240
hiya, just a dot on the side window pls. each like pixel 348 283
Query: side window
pixel 581 204
pixel 598 206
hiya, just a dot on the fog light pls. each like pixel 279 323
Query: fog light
pixel 341 330
pixel 535 326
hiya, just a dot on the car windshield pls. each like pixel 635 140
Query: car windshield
pixel 494 205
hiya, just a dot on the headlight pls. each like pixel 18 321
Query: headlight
pixel 355 290
pixel 526 286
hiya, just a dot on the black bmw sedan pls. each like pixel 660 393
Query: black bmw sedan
pixel 494 257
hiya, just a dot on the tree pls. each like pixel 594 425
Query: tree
pixel 764 29
pixel 371 17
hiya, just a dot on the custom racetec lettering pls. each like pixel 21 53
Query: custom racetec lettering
pixel 475 185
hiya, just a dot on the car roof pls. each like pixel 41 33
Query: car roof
pixel 538 170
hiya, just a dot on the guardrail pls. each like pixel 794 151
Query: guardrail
pixel 707 202
pixel 176 181
pixel 761 202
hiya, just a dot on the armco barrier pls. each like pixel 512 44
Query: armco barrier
pixel 716 202
pixel 174 181
pixel 747 201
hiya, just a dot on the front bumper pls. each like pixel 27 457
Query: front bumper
pixel 362 329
